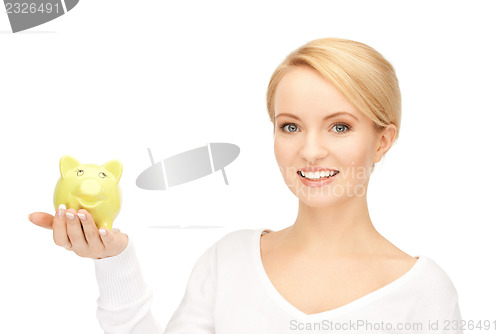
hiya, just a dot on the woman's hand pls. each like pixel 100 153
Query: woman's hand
pixel 77 232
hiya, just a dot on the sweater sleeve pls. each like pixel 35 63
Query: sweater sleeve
pixel 124 303
pixel 194 315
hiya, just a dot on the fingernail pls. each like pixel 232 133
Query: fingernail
pixel 61 209
pixel 102 232
pixel 29 217
pixel 70 215
pixel 82 216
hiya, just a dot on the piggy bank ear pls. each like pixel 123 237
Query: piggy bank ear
pixel 114 167
pixel 67 164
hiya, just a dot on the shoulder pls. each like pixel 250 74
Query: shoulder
pixel 233 245
pixel 434 280
pixel 230 247
pixel 237 245
pixel 237 236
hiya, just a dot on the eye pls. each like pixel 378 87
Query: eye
pixel 80 172
pixel 337 127
pixel 291 126
pixel 340 126
pixel 102 175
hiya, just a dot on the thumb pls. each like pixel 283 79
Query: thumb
pixel 41 219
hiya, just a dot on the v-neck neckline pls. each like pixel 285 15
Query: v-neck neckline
pixel 287 306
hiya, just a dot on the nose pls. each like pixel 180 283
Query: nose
pixel 90 188
pixel 313 149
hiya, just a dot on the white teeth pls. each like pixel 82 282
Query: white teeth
pixel 318 175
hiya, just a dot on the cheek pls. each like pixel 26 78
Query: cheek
pixel 284 155
pixel 354 160
pixel 353 154
pixel 280 151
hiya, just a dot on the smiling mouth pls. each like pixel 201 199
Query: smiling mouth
pixel 88 204
pixel 316 176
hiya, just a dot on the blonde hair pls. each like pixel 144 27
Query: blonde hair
pixel 356 70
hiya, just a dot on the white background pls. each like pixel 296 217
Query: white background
pixel 112 78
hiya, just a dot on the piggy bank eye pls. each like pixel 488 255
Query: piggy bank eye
pixel 102 174
pixel 80 172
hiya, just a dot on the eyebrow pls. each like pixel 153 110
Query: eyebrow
pixel 326 117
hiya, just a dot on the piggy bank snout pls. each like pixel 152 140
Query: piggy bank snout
pixel 90 188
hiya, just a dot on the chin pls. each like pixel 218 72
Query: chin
pixel 317 197
pixel 320 203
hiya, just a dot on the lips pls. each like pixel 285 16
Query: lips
pixel 317 176
pixel 317 173
pixel 317 183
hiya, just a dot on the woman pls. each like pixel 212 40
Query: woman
pixel 336 109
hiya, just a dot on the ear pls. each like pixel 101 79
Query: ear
pixel 67 164
pixel 114 167
pixel 385 141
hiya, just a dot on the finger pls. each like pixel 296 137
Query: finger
pixel 114 242
pixel 106 237
pixel 41 219
pixel 75 231
pixel 90 230
pixel 112 239
pixel 60 233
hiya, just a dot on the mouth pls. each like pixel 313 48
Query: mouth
pixel 88 204
pixel 318 175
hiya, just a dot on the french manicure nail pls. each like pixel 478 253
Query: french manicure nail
pixel 61 209
pixel 70 215
pixel 82 216
pixel 102 232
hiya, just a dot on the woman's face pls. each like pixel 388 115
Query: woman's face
pixel 317 128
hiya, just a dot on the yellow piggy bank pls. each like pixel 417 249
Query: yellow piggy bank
pixel 91 187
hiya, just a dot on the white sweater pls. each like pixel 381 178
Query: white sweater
pixel 228 292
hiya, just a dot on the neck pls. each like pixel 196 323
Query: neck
pixel 344 229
